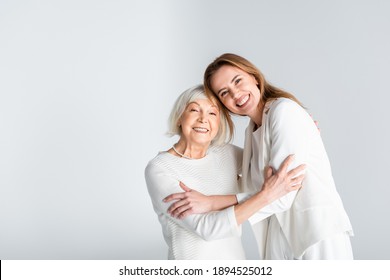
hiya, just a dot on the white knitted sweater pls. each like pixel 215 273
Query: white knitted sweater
pixel 213 235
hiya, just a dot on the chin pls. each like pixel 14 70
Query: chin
pixel 203 142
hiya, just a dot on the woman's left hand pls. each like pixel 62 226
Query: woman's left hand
pixel 280 182
pixel 188 202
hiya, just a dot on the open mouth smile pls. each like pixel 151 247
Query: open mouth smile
pixel 201 129
pixel 242 101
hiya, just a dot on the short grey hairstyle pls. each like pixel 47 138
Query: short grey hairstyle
pixel 188 96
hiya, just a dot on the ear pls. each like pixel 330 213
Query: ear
pixel 178 122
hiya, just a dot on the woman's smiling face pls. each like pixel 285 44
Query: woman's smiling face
pixel 236 89
pixel 200 122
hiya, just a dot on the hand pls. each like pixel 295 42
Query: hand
pixel 188 202
pixel 281 182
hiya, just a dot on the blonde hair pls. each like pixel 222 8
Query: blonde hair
pixel 225 131
pixel 267 91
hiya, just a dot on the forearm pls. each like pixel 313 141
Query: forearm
pixel 250 206
pixel 214 225
pixel 282 185
pixel 220 202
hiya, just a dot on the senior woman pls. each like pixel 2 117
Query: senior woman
pixel 203 161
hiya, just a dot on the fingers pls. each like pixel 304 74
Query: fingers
pixel 268 172
pixel 175 196
pixel 284 166
pixel 184 187
pixel 181 208
pixel 178 195
pixel 295 171
pixel 296 187
pixel 297 180
pixel 185 214
pixel 182 205
pixel 296 183
pixel 176 205
pixel 179 212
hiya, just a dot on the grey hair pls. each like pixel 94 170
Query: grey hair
pixel 188 96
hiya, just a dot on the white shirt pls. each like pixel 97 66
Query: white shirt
pixel 316 211
pixel 214 235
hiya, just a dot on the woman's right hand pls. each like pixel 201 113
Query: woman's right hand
pixel 193 202
pixel 188 202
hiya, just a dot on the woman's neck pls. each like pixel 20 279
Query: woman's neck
pixel 257 115
pixel 257 120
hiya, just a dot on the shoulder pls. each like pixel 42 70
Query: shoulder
pixel 281 105
pixel 229 149
pixel 285 108
pixel 157 164
pixel 228 155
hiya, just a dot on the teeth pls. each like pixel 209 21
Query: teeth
pixel 200 129
pixel 245 99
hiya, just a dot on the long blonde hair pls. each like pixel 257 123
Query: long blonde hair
pixel 267 91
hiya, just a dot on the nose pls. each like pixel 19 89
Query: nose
pixel 202 118
pixel 235 93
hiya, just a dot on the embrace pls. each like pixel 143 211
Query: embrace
pixel 203 188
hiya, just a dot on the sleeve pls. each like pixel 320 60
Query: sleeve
pixel 209 226
pixel 290 130
pixel 237 158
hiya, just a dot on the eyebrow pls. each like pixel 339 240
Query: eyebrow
pixel 194 102
pixel 235 77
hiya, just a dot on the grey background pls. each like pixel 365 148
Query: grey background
pixel 86 88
